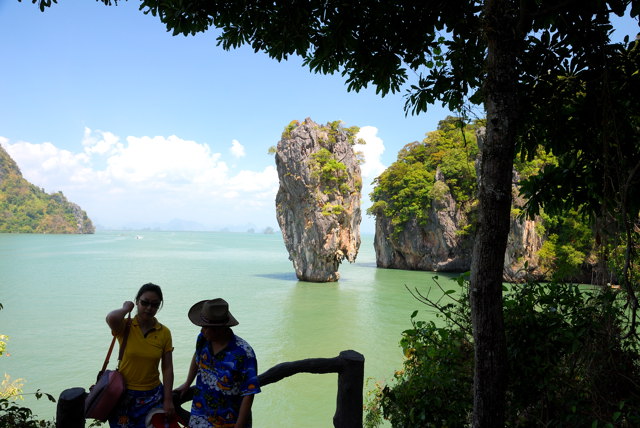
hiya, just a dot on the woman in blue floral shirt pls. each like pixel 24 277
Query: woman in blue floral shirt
pixel 224 367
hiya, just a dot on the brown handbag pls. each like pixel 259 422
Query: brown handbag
pixel 104 396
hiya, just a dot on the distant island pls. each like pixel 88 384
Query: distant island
pixel 26 208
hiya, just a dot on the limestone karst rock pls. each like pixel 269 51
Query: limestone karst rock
pixel 442 243
pixel 434 246
pixel 318 202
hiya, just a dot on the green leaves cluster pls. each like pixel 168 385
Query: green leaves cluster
pixel 569 361
pixel 582 110
pixel 13 415
pixel 330 172
pixel 568 246
pixel 336 128
pixel 287 132
pixel 405 190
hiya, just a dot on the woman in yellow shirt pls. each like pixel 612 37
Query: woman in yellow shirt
pixel 148 346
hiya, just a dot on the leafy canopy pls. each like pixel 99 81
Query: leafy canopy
pixel 405 190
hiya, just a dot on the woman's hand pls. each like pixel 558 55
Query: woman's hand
pixel 128 306
pixel 115 318
pixel 169 408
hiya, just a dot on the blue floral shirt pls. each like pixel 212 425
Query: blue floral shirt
pixel 221 383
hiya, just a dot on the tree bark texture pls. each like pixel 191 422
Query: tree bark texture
pixel 494 215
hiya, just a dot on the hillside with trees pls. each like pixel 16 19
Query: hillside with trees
pixel 425 205
pixel 25 208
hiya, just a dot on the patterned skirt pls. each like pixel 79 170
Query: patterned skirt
pixel 134 407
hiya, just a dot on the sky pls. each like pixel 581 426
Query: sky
pixel 141 128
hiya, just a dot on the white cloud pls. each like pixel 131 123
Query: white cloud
pixel 46 166
pixel 256 181
pixel 372 152
pixel 101 143
pixel 152 179
pixel 237 149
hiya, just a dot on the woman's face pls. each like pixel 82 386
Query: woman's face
pixel 148 304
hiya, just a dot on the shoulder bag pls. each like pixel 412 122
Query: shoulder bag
pixel 109 387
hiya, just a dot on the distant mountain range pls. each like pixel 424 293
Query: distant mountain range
pixel 180 225
pixel 26 208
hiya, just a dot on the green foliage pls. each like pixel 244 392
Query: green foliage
pixel 588 118
pixel 570 362
pixel 288 129
pixel 331 173
pixel 534 165
pixel 336 129
pixel 332 209
pixel 434 388
pixel 14 416
pixel 625 254
pixel 405 190
pixel 568 246
pixel 25 208
pixel 3 343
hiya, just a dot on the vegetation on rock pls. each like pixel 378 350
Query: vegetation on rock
pixel 25 208
pixel 405 190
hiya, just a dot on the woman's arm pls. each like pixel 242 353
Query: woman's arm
pixel 115 318
pixel 167 380
pixel 245 411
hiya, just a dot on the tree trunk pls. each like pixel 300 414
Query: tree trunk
pixel 495 205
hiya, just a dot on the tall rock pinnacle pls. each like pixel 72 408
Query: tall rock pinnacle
pixel 318 202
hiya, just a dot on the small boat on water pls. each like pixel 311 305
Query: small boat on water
pixel 139 237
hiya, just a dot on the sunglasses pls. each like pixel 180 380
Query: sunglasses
pixel 145 303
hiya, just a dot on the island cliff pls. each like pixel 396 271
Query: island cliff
pixel 25 208
pixel 318 202
pixel 424 207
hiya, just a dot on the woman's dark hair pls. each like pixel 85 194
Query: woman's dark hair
pixel 149 286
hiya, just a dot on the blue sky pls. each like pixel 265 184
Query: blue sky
pixel 139 127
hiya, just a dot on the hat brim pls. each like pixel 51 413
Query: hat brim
pixel 196 310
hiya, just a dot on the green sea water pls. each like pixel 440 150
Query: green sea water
pixel 57 289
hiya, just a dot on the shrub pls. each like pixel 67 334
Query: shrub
pixel 572 362
pixel 15 416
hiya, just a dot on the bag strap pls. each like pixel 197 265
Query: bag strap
pixel 127 328
pixel 113 341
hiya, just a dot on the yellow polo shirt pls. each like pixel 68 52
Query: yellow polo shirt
pixel 142 355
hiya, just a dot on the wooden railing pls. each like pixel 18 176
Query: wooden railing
pixel 348 364
pixel 350 368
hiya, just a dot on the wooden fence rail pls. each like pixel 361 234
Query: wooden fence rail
pixel 350 368
pixel 348 364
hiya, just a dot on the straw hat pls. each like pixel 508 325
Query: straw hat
pixel 212 313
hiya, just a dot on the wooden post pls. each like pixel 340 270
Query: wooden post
pixel 350 383
pixel 350 368
pixel 70 409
